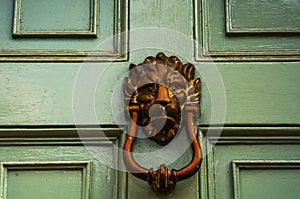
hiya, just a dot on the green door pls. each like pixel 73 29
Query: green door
pixel 62 124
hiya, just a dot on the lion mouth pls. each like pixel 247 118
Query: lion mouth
pixel 162 129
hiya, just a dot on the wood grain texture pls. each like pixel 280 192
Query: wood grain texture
pixel 256 93
pixel 262 16
pixel 34 92
pixel 32 34
pixel 29 18
pixel 32 151
pixel 280 159
pixel 22 179
pixel 210 23
pixel 255 174
pixel 41 93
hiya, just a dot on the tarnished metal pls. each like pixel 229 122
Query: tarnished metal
pixel 162 96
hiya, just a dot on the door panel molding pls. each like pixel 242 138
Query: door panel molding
pixel 35 149
pixel 243 17
pixel 69 44
pixel 252 135
pixel 211 32
pixel 58 136
pixel 267 145
pixel 19 26
pixel 279 168
pixel 38 171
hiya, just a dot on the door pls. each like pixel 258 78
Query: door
pixel 62 124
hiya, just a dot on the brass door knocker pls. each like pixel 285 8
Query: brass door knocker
pixel 162 96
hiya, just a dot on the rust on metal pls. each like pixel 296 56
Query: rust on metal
pixel 162 96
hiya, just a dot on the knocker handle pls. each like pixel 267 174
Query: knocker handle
pixel 130 163
pixel 162 180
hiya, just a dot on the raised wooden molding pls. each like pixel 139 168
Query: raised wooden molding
pixel 59 56
pixel 59 136
pixel 65 136
pixel 230 29
pixel 119 40
pixel 84 166
pixel 91 32
pixel 237 165
pixel 204 53
pixel 252 135
pixel 210 137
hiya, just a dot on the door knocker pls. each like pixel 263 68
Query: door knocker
pixel 162 95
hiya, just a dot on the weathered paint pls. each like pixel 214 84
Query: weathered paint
pixel 260 95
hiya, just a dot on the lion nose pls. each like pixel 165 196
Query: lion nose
pixel 163 96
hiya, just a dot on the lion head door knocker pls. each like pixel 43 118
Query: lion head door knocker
pixel 162 96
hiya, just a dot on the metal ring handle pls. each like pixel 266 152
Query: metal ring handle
pixel 163 180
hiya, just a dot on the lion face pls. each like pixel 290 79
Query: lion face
pixel 160 112
pixel 161 86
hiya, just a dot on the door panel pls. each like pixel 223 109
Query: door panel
pixel 248 30
pixel 23 179
pixel 252 175
pixel 256 93
pixel 52 163
pixel 247 163
pixel 262 17
pixel 61 31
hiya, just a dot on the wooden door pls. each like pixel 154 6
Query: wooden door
pixel 61 102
